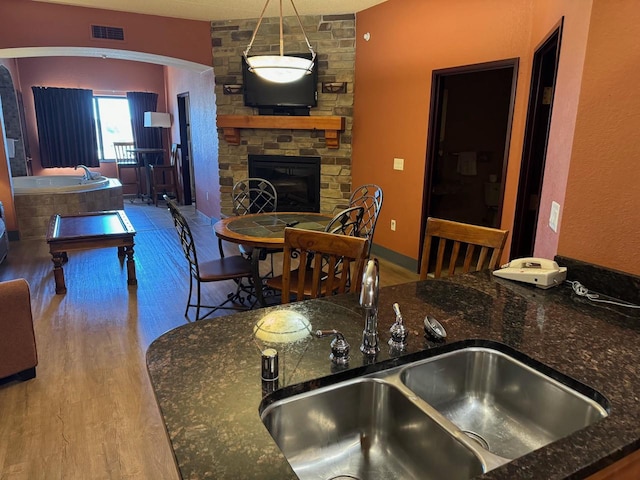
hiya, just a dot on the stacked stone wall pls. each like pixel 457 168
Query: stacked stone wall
pixel 333 39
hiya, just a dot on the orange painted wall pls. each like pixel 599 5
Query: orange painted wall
pixel 36 24
pixel 410 39
pixel 591 154
pixel 204 140
pixel 101 75
pixel 601 219
pixel 565 107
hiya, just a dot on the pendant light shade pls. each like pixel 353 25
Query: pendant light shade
pixel 280 68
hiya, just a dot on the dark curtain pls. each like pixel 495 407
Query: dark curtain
pixel 140 102
pixel 66 127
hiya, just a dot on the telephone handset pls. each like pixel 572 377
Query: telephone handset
pixel 542 272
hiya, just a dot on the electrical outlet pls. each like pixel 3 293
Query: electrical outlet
pixel 393 225
pixel 398 163
pixel 207 196
pixel 553 217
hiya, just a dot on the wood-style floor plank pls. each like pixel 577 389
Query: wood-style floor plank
pixel 90 413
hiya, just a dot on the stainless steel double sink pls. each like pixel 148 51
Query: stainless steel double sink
pixel 455 415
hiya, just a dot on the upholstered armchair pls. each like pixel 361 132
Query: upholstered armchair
pixel 18 354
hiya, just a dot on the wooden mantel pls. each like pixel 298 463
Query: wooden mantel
pixel 232 124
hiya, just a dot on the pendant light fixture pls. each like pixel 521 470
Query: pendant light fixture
pixel 280 68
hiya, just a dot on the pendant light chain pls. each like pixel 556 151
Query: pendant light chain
pixel 255 32
pixel 302 28
pixel 282 68
pixel 282 32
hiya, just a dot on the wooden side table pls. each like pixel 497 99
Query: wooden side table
pixel 90 230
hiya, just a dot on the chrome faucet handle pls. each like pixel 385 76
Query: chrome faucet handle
pixel 398 331
pixel 339 346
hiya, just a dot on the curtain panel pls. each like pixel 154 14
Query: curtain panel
pixel 66 127
pixel 140 102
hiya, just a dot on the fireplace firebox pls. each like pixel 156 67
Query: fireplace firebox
pixel 296 179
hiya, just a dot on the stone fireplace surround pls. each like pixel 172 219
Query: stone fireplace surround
pixel 333 38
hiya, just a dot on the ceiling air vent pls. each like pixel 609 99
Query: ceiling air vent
pixel 107 33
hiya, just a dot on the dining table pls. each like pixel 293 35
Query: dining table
pixel 265 231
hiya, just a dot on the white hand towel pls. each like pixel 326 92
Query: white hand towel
pixel 467 163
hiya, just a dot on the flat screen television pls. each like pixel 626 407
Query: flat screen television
pixel 271 98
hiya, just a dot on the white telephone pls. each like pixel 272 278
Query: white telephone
pixel 541 272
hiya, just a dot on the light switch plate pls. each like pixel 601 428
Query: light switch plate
pixel 553 217
pixel 398 163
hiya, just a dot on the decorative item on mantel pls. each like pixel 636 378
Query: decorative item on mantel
pixel 334 87
pixel 232 88
pixel 280 68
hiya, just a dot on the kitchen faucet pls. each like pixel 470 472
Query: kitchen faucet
pixel 369 300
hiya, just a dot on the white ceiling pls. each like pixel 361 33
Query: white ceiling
pixel 223 9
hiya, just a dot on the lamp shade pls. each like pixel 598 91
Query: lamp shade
pixel 280 69
pixel 157 119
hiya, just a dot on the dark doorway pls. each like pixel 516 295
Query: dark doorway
pixel 185 166
pixel 536 136
pixel 468 143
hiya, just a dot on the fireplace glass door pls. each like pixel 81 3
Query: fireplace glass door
pixel 296 179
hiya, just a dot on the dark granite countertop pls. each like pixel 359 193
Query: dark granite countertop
pixel 206 375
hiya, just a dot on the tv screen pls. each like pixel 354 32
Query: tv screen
pixel 294 98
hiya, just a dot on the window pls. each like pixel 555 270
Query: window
pixel 113 124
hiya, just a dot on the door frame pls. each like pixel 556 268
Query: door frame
pixel 525 183
pixel 186 162
pixel 435 127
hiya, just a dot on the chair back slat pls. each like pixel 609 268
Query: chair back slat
pixel 455 235
pixel 123 155
pixel 328 250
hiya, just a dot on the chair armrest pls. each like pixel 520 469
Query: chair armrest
pixel 17 338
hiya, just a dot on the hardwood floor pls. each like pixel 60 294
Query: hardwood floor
pixel 90 413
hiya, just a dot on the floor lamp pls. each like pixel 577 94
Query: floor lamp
pixel 158 120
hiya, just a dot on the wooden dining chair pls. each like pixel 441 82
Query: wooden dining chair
pixel 234 268
pixel 482 246
pixel 164 179
pixel 126 160
pixel 321 278
pixel 347 222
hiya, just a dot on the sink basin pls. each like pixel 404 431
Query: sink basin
pixel 362 429
pixel 506 406
pixel 455 416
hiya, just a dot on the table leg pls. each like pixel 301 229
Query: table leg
pixel 257 280
pixel 147 173
pixel 131 266
pixel 121 252
pixel 58 273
